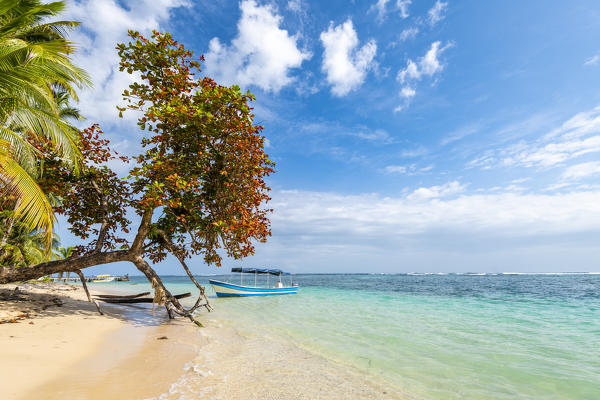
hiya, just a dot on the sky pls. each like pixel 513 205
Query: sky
pixel 409 136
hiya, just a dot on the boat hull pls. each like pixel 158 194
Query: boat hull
pixel 226 289
pixel 102 280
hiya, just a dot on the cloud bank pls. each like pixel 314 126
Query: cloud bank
pixel 434 228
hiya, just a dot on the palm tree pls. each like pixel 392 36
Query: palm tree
pixel 20 246
pixel 62 253
pixel 35 64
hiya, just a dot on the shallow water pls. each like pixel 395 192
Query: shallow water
pixel 436 336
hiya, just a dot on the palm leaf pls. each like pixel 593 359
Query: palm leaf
pixel 32 208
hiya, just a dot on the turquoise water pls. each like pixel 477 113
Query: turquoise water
pixel 442 336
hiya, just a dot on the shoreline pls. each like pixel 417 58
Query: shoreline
pixel 89 356
pixel 252 364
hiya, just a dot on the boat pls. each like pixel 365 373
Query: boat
pixel 102 278
pixel 230 289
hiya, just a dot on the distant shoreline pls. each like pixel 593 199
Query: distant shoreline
pixel 405 273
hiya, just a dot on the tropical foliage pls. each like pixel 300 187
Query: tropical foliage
pixel 19 246
pixel 198 188
pixel 64 252
pixel 37 78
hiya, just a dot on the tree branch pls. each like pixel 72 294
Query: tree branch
pixel 181 259
pixel 82 279
pixel 104 226
pixel 142 231
pixel 71 264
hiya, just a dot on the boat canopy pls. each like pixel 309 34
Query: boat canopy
pixel 260 271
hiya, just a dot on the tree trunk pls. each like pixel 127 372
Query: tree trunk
pixel 4 238
pixel 133 254
pixel 161 294
pixel 82 278
pixel 71 264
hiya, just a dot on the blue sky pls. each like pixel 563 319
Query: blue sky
pixel 419 135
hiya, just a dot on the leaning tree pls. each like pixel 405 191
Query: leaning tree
pixel 198 188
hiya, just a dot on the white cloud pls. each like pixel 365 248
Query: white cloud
pixel 416 152
pixel 437 208
pixel 327 129
pixel 104 24
pixel 345 64
pixel 580 171
pixel 408 33
pixel 381 8
pixel 581 124
pixel 408 170
pixel 395 169
pixel 407 92
pixel 551 154
pixel 436 13
pixel 435 192
pixel 574 138
pixel 295 5
pixel 402 6
pixel 592 61
pixel 262 54
pixel 428 65
pixel 443 229
pixel 410 72
pixel 461 133
pixel 377 135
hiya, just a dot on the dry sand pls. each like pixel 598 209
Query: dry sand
pixel 61 348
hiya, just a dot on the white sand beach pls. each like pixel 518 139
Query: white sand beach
pixel 72 352
pixel 60 347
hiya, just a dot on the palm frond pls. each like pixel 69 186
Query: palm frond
pixel 33 208
pixel 21 150
pixel 53 128
pixel 6 6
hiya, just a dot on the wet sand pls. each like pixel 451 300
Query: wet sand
pixel 129 353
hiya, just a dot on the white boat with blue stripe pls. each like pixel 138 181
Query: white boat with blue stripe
pixel 229 289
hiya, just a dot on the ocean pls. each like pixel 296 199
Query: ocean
pixel 434 336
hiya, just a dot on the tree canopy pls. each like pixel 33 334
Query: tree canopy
pixel 198 188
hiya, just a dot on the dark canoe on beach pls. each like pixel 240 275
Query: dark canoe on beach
pixel 118 296
pixel 134 298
